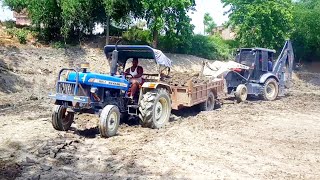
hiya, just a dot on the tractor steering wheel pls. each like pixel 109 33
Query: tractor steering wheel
pixel 128 76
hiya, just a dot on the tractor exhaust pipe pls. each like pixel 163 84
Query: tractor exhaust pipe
pixel 84 67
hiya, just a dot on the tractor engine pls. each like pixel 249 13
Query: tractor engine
pixel 96 90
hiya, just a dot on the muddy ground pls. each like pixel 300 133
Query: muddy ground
pixel 250 140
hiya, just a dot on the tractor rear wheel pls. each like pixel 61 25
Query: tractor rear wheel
pixel 241 93
pixel 209 104
pixel 270 90
pixel 109 121
pixel 155 108
pixel 61 118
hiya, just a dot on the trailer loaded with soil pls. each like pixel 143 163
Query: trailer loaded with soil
pixel 193 89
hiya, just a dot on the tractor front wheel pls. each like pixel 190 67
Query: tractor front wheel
pixel 155 109
pixel 61 118
pixel 270 90
pixel 109 121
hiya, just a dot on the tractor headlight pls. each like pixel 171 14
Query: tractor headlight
pixel 93 90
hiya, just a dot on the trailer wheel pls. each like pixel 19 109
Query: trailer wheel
pixel 61 118
pixel 270 90
pixel 155 109
pixel 109 121
pixel 209 104
pixel 241 93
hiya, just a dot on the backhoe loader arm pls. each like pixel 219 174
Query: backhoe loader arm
pixel 283 67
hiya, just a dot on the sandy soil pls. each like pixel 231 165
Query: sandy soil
pixel 251 140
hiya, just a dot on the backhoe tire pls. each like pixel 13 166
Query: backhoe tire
pixel 209 104
pixel 270 90
pixel 155 108
pixel 61 119
pixel 241 93
pixel 109 121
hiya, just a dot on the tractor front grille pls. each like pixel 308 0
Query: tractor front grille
pixel 66 88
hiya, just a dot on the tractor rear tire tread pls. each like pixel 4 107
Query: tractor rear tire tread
pixel 146 108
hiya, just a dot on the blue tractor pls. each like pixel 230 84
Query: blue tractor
pixel 262 76
pixel 78 90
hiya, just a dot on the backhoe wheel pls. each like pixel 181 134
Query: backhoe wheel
pixel 209 104
pixel 241 93
pixel 61 118
pixel 109 121
pixel 155 108
pixel 270 90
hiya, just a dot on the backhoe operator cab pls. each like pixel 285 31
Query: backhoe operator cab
pixel 259 61
pixel 264 76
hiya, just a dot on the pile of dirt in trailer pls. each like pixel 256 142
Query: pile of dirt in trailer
pixel 183 79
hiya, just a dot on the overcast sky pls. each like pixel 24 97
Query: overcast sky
pixel 214 7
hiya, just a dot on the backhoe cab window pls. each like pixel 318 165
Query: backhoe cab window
pixel 247 58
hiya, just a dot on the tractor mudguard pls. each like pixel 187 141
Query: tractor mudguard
pixel 155 85
pixel 266 76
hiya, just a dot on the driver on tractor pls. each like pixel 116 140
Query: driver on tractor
pixel 136 80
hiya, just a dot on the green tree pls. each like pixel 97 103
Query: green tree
pixel 121 11
pixel 178 28
pixel 265 23
pixel 16 5
pixel 208 24
pixel 76 15
pixel 163 13
pixel 45 13
pixel 306 39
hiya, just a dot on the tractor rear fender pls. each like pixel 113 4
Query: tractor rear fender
pixel 266 76
pixel 155 85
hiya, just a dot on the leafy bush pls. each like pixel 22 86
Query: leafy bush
pixel 137 36
pixel 203 47
pixel 209 47
pixel 222 48
pixel 58 45
pixel 21 34
pixel 9 24
pixel 175 44
pixel 305 36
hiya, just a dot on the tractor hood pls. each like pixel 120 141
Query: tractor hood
pixel 99 80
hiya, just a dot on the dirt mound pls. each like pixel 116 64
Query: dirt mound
pixel 312 78
pixel 183 79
